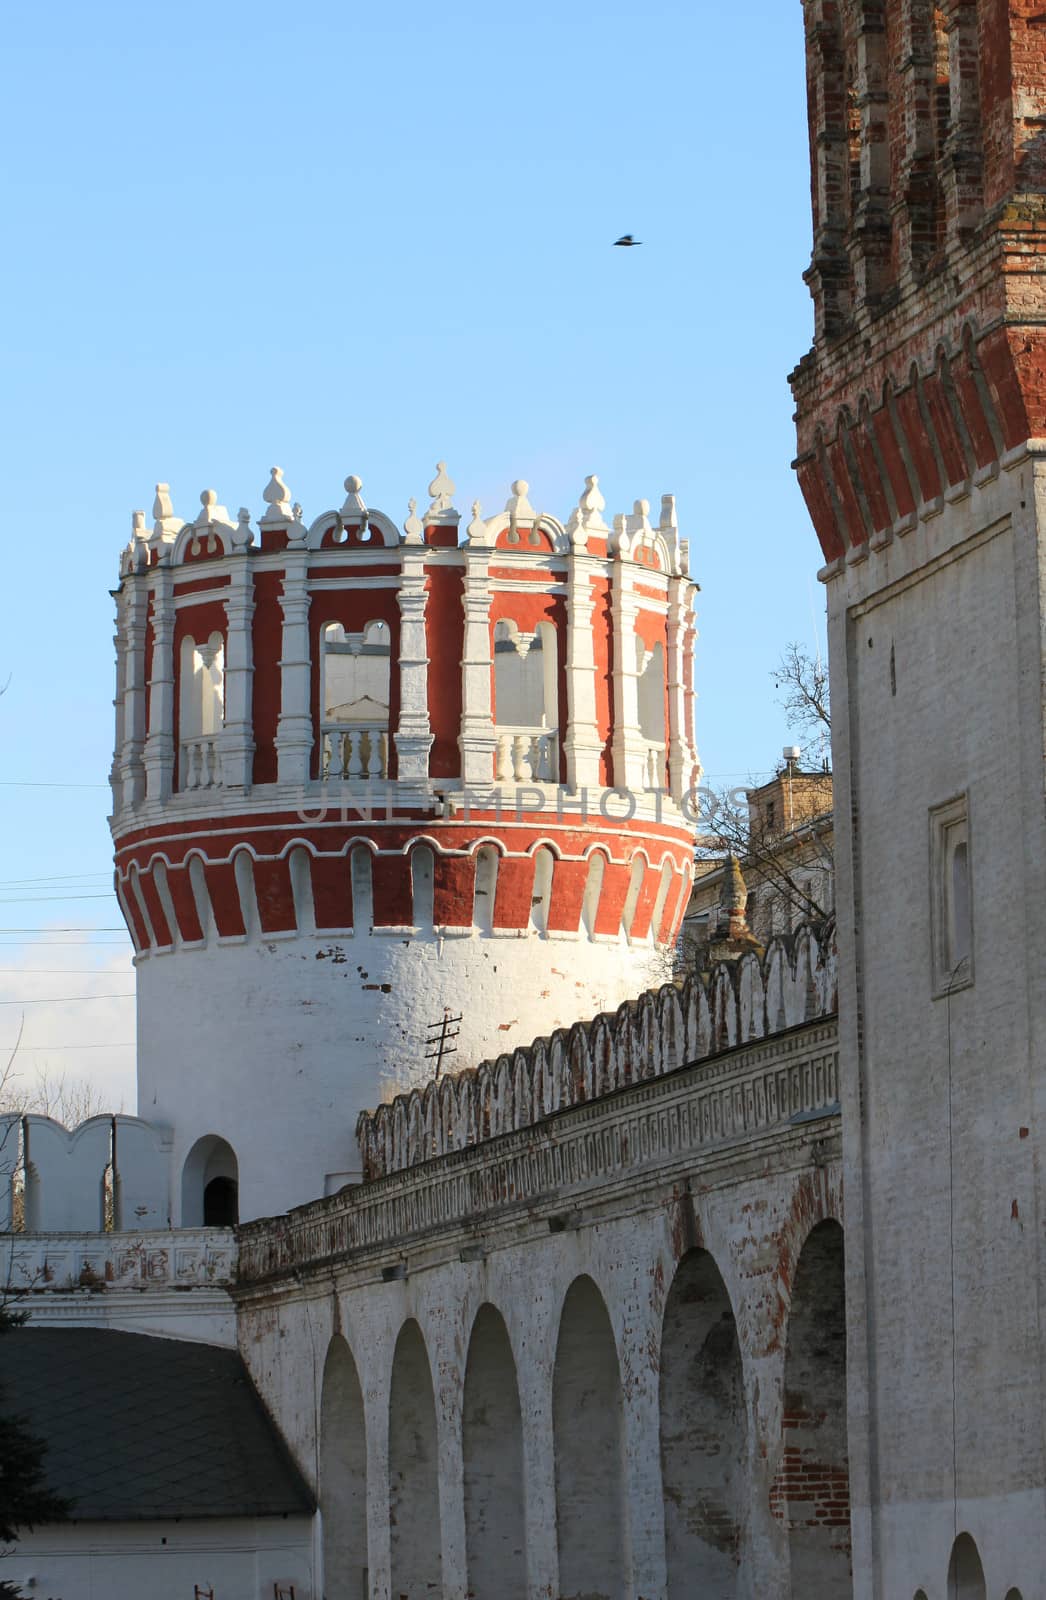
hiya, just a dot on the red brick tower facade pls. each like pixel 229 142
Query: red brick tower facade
pixel 921 414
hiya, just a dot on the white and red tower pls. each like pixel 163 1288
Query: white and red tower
pixel 364 778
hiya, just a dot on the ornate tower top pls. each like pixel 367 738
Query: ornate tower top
pixel 928 162
pixel 364 778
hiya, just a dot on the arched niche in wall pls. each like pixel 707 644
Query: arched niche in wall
pixel 591 1510
pixel 635 888
pixel 343 1474
pixel 210 1184
pixel 702 1402
pixel 414 1526
pixel 361 873
pixel 492 1449
pixel 597 864
pixel 201 710
pixel 422 885
pixel 354 700
pixel 485 888
pixel 965 1572
pixel 812 1493
pixel 541 893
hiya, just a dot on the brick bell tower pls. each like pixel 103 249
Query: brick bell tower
pixel 921 414
pixel 365 777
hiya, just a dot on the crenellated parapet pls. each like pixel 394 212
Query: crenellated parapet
pixel 734 1004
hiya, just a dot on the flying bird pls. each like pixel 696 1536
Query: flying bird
pixel 627 240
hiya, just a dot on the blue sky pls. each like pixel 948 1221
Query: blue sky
pixel 356 239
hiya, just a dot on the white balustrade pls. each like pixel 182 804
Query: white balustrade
pixel 200 766
pixel 654 766
pixel 355 751
pixel 527 755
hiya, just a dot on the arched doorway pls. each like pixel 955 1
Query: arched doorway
pixel 210 1184
pixel 591 1511
pixel 812 1492
pixel 343 1476
pixel 965 1572
pixel 492 1450
pixel 414 1526
pixel 702 1434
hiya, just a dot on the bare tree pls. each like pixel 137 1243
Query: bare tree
pixel 801 680
pixel 768 857
pixel 777 852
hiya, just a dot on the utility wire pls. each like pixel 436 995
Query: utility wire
pixel 67 999
pixel 122 1044
pixel 38 899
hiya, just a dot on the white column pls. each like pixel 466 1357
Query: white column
pixel 413 736
pixel 689 694
pixel 629 749
pixel 159 746
pixel 294 736
pixel 135 612
pixel 582 743
pixel 477 740
pixel 680 746
pixel 237 737
pixel 120 646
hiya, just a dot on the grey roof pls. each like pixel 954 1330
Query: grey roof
pixel 138 1427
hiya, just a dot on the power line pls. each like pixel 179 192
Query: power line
pixel 66 999
pixel 58 972
pixel 95 929
pixel 38 899
pixel 25 783
pixel 123 1044
pixel 58 877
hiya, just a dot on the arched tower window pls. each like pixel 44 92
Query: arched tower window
pixel 650 665
pixel 355 678
pixel 210 1184
pixel 525 702
pixel 201 710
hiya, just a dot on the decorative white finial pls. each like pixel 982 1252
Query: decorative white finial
pixel 138 528
pixel 477 528
pixel 620 540
pixel 166 524
pixel 669 520
pixel 212 511
pixel 354 509
pixel 517 505
pixel 243 533
pixel 413 526
pixel 639 521
pixel 277 498
pixel 442 491
pixel 592 503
